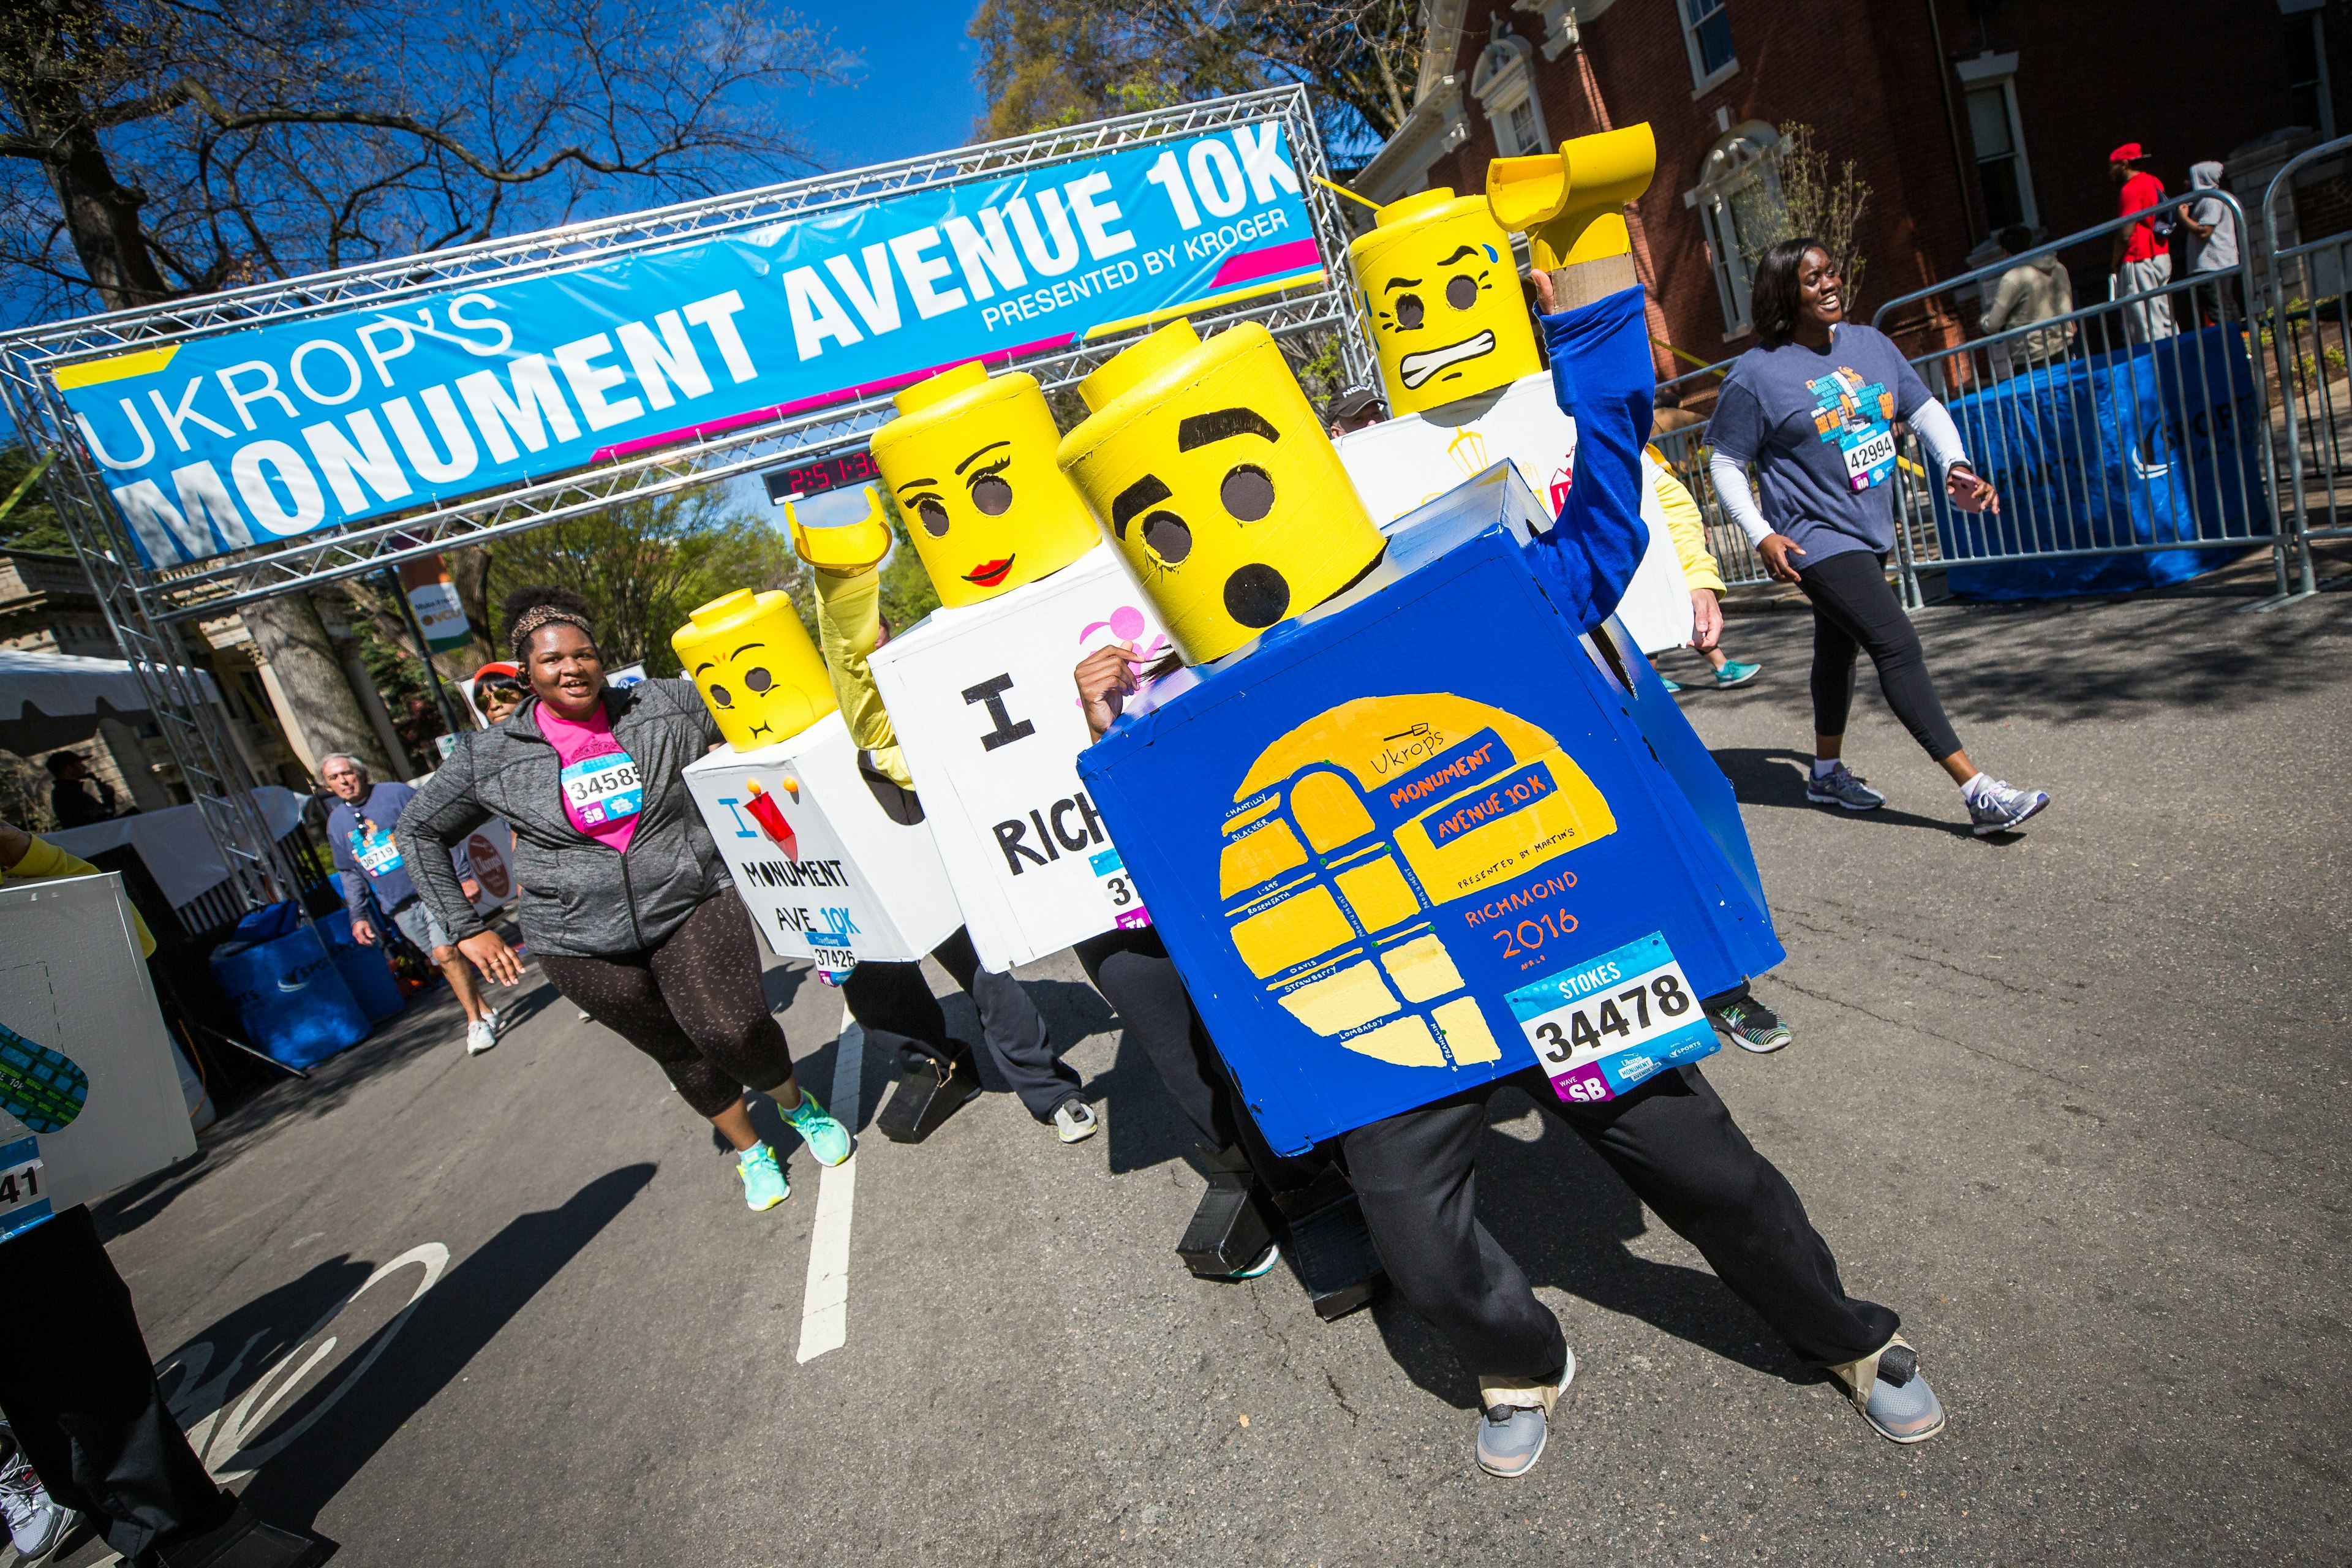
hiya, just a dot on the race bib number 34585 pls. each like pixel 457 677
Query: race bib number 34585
pixel 1610 1023
pixel 603 789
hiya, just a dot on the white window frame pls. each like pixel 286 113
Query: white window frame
pixel 1990 70
pixel 1504 80
pixel 1703 79
pixel 1740 159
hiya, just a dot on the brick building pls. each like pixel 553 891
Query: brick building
pixel 1961 118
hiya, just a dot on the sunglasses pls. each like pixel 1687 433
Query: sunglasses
pixel 501 690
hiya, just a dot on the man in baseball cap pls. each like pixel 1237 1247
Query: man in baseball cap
pixel 2141 257
pixel 1353 407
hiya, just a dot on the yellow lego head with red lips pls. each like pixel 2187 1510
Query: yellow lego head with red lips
pixel 971 461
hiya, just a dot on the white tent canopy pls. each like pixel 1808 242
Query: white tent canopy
pixel 60 684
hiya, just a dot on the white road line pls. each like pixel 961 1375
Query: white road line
pixel 825 1309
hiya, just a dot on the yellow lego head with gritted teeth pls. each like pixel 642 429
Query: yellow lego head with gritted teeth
pixel 1443 294
pixel 751 659
pixel 970 461
pixel 1213 475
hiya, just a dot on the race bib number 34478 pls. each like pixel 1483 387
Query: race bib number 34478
pixel 1610 1023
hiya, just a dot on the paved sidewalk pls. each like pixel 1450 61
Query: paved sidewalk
pixel 2074 1102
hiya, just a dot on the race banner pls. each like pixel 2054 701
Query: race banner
pixel 221 443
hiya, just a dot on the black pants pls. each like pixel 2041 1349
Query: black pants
pixel 1675 1144
pixel 1853 607
pixel 694 1003
pixel 896 999
pixel 79 1390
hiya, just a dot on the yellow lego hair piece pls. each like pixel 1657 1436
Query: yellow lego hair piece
pixel 845 548
pixel 971 460
pixel 1214 479
pixel 1442 292
pixel 1572 204
pixel 751 659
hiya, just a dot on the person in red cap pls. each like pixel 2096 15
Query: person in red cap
pixel 498 690
pixel 2142 260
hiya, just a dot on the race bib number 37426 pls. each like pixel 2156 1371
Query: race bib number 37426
pixel 1615 1021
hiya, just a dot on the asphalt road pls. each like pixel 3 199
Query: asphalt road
pixel 2074 1103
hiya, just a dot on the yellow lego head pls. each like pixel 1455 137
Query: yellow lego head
pixel 751 659
pixel 1218 486
pixel 970 461
pixel 1442 293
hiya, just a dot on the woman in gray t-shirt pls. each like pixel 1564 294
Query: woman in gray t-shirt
pixel 1815 409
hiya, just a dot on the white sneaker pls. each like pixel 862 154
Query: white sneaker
pixel 481 1035
pixel 1074 1120
pixel 496 1020
pixel 36 1522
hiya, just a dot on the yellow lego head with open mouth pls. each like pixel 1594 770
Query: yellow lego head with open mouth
pixel 751 659
pixel 970 461
pixel 1442 293
pixel 1214 478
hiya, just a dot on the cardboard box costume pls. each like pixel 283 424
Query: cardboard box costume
pixel 1385 889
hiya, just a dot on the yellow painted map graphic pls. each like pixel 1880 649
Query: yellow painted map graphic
pixel 1334 911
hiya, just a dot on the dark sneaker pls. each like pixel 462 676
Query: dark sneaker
pixel 1515 1422
pixel 1899 1406
pixel 1752 1025
pixel 1839 787
pixel 1997 808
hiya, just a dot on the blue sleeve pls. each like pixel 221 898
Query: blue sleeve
pixel 1737 430
pixel 1600 372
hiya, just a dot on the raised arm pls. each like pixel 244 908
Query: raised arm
pixel 1601 375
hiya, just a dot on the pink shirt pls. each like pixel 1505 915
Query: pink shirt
pixel 602 792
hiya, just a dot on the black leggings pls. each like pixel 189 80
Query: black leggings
pixel 895 999
pixel 1673 1142
pixel 694 1003
pixel 1853 606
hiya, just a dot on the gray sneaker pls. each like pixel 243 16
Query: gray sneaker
pixel 1511 1435
pixel 1900 1406
pixel 1839 787
pixel 36 1522
pixel 1997 808
pixel 1074 1120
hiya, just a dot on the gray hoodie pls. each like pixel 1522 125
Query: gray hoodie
pixel 2035 290
pixel 579 898
pixel 2218 251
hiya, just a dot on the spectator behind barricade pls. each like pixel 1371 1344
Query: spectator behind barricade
pixel 2141 257
pixel 1668 414
pixel 1354 407
pixel 2212 248
pixel 2031 292
pixel 368 853
pixel 76 797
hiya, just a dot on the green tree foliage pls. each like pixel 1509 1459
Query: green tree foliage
pixel 1805 197
pixel 32 523
pixel 1047 63
pixel 646 563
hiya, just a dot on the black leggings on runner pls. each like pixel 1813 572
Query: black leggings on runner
pixel 1853 606
pixel 694 1003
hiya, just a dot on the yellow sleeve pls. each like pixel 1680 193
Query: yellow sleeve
pixel 1688 529
pixel 848 624
pixel 45 860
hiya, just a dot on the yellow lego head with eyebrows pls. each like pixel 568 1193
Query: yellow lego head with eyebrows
pixel 751 659
pixel 970 461
pixel 1443 294
pixel 1217 485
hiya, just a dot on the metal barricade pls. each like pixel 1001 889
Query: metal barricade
pixel 2308 323
pixel 2130 426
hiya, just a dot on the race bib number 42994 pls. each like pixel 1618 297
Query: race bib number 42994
pixel 1610 1023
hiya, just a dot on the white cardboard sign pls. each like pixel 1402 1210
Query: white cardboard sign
pixel 853 885
pixel 985 708
pixel 490 849
pixel 1416 458
pixel 72 982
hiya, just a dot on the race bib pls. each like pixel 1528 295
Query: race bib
pixel 24 1183
pixel 1869 460
pixel 1609 1023
pixel 597 790
pixel 376 850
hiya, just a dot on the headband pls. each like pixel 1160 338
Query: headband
pixel 539 616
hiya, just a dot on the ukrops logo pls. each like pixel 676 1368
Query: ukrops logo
pixel 1351 832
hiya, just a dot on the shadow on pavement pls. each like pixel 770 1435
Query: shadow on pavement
pixel 1776 776
pixel 1554 1207
pixel 453 1322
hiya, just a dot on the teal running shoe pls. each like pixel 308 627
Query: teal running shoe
pixel 39 1087
pixel 1671 686
pixel 1735 673
pixel 826 1138
pixel 764 1179
pixel 1263 1266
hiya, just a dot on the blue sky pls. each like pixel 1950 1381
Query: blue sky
pixel 913 94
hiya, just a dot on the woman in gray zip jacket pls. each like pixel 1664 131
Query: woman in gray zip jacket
pixel 626 902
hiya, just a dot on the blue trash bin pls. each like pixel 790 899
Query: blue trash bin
pixel 288 993
pixel 367 970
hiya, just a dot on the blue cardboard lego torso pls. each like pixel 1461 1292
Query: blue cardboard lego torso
pixel 1392 842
